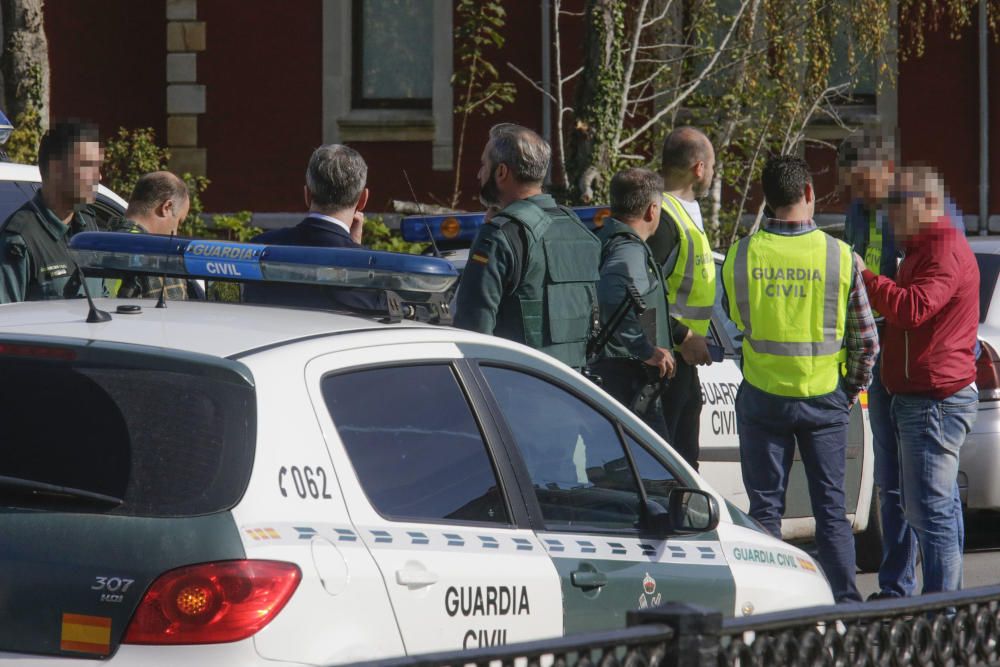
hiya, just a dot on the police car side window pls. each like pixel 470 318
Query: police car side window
pixel 657 479
pixel 578 467
pixel 415 445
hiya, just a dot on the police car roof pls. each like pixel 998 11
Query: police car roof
pixel 216 329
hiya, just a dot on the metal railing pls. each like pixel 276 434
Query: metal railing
pixel 958 628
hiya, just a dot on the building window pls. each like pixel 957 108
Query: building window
pixel 392 59
pixel 387 67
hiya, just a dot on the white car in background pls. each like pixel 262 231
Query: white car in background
pixel 720 452
pixel 979 463
pixel 20 182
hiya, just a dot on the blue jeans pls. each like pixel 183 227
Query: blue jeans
pixel 769 427
pixel 930 434
pixel 897 573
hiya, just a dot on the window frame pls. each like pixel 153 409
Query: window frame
pixel 516 515
pixel 358 100
pixel 538 522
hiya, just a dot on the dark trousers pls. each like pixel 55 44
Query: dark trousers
pixel 623 378
pixel 769 428
pixel 682 412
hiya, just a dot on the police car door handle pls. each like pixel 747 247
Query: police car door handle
pixel 588 579
pixel 415 577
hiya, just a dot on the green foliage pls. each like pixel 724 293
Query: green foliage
pixel 477 36
pixel 378 236
pixel 22 145
pixel 479 32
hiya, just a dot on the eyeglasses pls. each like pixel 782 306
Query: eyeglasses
pixel 897 197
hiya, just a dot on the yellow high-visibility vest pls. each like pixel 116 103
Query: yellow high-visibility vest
pixel 691 283
pixel 788 294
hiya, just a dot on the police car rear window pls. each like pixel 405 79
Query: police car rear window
pixel 122 438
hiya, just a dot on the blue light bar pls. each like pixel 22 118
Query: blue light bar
pixel 225 260
pixel 5 128
pixel 463 226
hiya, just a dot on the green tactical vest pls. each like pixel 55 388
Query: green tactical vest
pixel 52 268
pixel 553 306
pixel 788 294
pixel 615 234
pixel 691 284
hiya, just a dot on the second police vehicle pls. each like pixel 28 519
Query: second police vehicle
pixel 232 485
pixel 720 453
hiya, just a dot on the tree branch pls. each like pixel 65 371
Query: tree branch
pixel 534 84
pixel 690 89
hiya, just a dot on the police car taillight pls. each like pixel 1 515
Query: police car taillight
pixel 213 603
pixel 988 373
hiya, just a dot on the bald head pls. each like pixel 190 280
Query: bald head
pixel 688 160
pixel 159 201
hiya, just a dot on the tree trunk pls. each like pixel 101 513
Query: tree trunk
pixel 24 48
pixel 592 155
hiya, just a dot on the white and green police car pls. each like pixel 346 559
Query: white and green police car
pixel 221 484
pixel 720 452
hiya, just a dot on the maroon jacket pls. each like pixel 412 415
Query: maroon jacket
pixel 931 314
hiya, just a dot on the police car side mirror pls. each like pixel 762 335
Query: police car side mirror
pixel 689 512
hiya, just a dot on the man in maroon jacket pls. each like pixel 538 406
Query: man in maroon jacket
pixel 931 313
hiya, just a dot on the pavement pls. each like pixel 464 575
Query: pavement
pixel 982 554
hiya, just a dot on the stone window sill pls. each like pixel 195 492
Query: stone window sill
pixel 387 125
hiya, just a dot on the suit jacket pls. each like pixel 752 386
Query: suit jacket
pixel 315 232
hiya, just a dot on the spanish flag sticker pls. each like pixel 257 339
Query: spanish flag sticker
pixel 86 634
pixel 480 257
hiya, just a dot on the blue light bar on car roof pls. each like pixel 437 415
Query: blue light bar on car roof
pixel 225 260
pixel 463 226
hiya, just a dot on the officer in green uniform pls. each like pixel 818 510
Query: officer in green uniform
pixel 158 204
pixel 35 262
pixel 627 261
pixel 533 267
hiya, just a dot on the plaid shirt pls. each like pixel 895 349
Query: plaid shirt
pixel 133 286
pixel 861 335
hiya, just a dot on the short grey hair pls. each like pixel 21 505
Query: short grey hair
pixel 632 191
pixel 153 189
pixel 336 176
pixel 522 150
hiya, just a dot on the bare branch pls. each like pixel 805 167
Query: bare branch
pixel 662 15
pixel 572 76
pixel 560 102
pixel 690 89
pixel 630 67
pixel 534 84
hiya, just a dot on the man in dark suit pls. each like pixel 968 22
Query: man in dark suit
pixel 335 195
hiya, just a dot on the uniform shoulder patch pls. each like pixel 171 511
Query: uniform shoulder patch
pixel 480 258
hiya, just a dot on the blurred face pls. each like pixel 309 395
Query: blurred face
pixel 76 176
pixel 909 208
pixel 872 181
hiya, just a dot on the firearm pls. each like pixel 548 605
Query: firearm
pixel 631 301
pixel 655 385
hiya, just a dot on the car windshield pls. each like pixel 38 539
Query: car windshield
pixel 140 435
